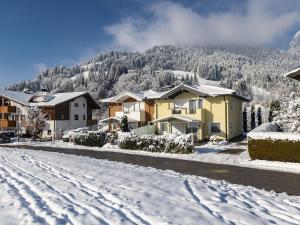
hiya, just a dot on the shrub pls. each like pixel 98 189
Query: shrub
pixel 153 143
pixel 284 150
pixel 91 138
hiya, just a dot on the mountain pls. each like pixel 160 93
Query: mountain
pixel 294 46
pixel 255 72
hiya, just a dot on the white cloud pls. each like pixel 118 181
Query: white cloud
pixel 261 22
pixel 39 67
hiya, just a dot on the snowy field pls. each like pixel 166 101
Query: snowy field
pixel 206 153
pixel 51 188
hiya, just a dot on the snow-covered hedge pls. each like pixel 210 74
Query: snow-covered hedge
pixel 91 138
pixel 157 143
pixel 289 116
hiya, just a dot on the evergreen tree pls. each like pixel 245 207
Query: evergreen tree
pixel 124 124
pixel 274 109
pixel 253 124
pixel 245 122
pixel 258 115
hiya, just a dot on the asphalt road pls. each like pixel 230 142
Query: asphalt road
pixel 262 179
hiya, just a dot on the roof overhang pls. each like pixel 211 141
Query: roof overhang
pixel 294 74
pixel 175 117
pixel 116 119
pixel 125 95
pixel 181 88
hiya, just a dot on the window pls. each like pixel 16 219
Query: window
pixel 128 107
pixel 49 132
pixel 83 105
pixel 142 106
pixel 215 127
pixel 200 103
pixel 62 116
pixel 192 106
pixel 76 104
pixel 83 117
pixel 76 117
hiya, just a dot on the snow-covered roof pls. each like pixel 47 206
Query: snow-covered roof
pixel 56 99
pixel 201 90
pixel 139 96
pixel 295 74
pixel 16 96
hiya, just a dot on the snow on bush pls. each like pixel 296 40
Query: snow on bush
pixel 171 143
pixel 289 116
pixel 91 138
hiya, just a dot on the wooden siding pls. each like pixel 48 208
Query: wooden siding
pixel 8 109
pixel 7 123
pixel 62 109
pixel 113 108
pixel 150 110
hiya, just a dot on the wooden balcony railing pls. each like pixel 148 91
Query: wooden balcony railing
pixel 8 109
pixel 7 123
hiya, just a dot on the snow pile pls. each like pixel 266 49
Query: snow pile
pixel 289 116
pixel 91 138
pixel 266 127
pixel 171 143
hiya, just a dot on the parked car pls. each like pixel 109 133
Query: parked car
pixel 4 138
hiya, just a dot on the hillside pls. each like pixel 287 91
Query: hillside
pixel 256 72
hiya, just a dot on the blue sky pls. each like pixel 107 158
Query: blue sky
pixel 36 34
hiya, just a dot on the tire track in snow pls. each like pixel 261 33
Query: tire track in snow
pixel 23 200
pixel 89 209
pixel 92 191
pixel 210 213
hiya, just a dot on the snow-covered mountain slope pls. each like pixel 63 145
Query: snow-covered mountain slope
pixel 39 187
pixel 294 46
pixel 239 68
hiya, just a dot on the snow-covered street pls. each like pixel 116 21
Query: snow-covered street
pixel 51 188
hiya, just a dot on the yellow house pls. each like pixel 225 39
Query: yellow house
pixel 202 110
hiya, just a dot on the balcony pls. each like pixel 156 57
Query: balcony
pixel 8 109
pixel 7 123
pixel 139 116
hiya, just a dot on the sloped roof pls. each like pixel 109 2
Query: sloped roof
pixel 140 96
pixel 201 90
pixel 177 117
pixel 294 74
pixel 16 96
pixel 59 98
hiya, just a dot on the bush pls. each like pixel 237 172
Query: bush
pixel 157 143
pixel 274 150
pixel 91 138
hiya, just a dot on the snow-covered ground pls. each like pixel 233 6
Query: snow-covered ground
pixel 206 153
pixel 39 187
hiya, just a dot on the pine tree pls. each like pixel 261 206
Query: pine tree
pixel 258 115
pixel 245 122
pixel 275 107
pixel 124 124
pixel 253 124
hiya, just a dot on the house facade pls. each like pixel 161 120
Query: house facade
pixel 13 107
pixel 199 110
pixel 202 111
pixel 63 111
pixel 135 105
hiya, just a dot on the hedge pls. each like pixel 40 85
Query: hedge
pixel 91 138
pixel 181 144
pixel 284 150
